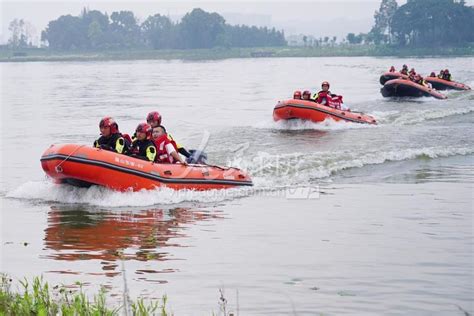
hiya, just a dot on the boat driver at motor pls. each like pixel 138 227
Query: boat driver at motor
pixel 111 139
pixel 154 120
pixel 143 147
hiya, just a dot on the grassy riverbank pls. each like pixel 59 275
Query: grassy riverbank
pixel 41 54
pixel 37 298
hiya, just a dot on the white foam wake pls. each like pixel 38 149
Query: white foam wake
pixel 296 125
pixel 47 191
pixel 269 173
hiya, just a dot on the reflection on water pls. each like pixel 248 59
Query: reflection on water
pixel 78 233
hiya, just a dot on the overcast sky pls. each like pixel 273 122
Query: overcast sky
pixel 316 17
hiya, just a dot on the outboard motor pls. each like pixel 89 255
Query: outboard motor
pixel 197 157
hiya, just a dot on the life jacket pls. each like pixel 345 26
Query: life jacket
pixel 322 97
pixel 447 77
pixel 164 148
pixel 115 142
pixel 144 149
pixel 329 99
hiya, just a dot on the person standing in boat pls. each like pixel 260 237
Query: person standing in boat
pixel 154 120
pixel 404 70
pixel 111 139
pixel 143 147
pixel 166 150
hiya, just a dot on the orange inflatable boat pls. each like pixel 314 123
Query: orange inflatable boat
pixel 315 112
pixel 408 88
pixel 390 76
pixel 441 84
pixel 81 165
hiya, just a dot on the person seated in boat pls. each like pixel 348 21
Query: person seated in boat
pixel 306 95
pixel 154 119
pixel 441 73
pixel 412 71
pixel 447 75
pixel 419 80
pixel 392 69
pixel 432 74
pixel 404 70
pixel 325 97
pixel 143 147
pixel 166 150
pixel 297 95
pixel 111 139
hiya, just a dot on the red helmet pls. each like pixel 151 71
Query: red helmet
pixel 325 83
pixel 446 71
pixel 297 94
pixel 307 94
pixel 144 128
pixel 154 116
pixel 109 122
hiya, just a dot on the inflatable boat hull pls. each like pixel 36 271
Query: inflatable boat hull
pixel 315 112
pixel 81 165
pixel 390 76
pixel 441 84
pixel 407 88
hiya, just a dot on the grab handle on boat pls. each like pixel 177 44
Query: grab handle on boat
pixel 58 167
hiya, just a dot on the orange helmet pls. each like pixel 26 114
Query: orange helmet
pixel 325 83
pixel 144 128
pixel 154 116
pixel 109 122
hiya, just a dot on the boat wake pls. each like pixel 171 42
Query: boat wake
pixel 299 125
pixel 47 191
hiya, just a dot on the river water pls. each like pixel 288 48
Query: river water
pixel 342 219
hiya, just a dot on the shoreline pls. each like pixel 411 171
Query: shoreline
pixel 45 55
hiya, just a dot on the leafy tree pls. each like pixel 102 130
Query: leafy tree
pixel 125 31
pixel 22 33
pixel 200 29
pixel 433 23
pixel 159 32
pixel 383 17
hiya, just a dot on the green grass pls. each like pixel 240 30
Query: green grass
pixel 42 54
pixel 39 299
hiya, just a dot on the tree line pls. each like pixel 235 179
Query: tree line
pixel 420 23
pixel 93 29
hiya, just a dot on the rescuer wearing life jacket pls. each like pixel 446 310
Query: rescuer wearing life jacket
pixel 404 70
pixel 441 73
pixel 111 139
pixel 419 80
pixel 143 147
pixel 412 72
pixel 166 150
pixel 154 120
pixel 392 69
pixel 297 95
pixel 325 97
pixel 446 75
